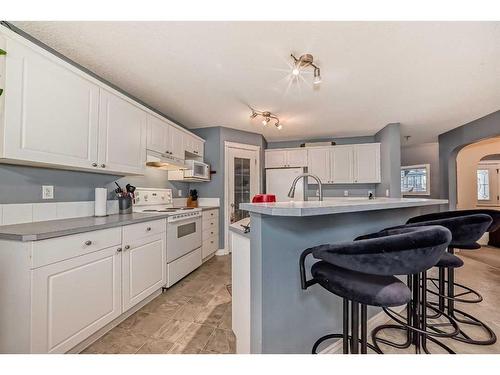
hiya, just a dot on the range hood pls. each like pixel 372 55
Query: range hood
pixel 164 161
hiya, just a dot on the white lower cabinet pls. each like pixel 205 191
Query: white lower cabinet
pixel 143 268
pixel 56 293
pixel 73 299
pixel 210 233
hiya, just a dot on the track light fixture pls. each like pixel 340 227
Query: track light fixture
pixel 305 61
pixel 266 118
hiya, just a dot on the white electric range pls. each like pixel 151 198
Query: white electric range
pixel 183 231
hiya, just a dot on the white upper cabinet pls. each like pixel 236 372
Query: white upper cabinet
pixel 367 163
pixel 157 139
pixel 296 158
pixel 175 143
pixel 51 113
pixel 55 115
pixel 193 145
pixel 319 164
pixel 286 158
pixel 122 135
pixel 342 164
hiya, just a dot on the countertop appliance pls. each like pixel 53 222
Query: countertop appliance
pixel 279 181
pixel 184 236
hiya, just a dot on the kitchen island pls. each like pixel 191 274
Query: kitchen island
pixel 282 317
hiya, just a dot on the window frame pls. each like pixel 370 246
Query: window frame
pixel 427 191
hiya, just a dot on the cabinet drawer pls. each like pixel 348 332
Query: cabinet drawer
pixel 62 248
pixel 210 224
pixel 183 266
pixel 211 214
pixel 210 246
pixel 148 228
pixel 210 232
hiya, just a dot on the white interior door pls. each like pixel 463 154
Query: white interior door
pixel 242 181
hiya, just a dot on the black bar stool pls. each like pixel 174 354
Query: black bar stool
pixel 466 227
pixel 362 273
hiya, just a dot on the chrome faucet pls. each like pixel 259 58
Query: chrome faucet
pixel 291 193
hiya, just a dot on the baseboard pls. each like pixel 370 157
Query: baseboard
pixel 374 321
pixel 220 252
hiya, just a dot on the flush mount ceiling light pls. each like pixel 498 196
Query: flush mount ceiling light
pixel 303 62
pixel 266 118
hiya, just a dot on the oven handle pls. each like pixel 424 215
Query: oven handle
pixel 192 218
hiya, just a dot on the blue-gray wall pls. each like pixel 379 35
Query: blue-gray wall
pixel 214 155
pixel 425 153
pixel 451 142
pixel 390 160
pixel 20 184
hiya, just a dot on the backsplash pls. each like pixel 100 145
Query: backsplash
pixel 21 184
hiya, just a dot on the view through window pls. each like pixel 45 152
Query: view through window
pixel 415 180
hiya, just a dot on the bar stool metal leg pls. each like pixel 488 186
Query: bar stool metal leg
pixel 345 328
pixel 364 329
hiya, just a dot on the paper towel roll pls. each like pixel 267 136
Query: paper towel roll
pixel 100 201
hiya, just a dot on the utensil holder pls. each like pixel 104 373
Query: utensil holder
pixel 124 205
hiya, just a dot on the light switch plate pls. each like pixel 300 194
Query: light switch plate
pixel 346 193
pixel 47 192
pixel 179 193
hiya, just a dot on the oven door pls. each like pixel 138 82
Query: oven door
pixel 183 237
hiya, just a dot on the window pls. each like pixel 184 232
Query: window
pixel 415 180
pixel 483 185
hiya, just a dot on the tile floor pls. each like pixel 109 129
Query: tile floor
pixel 194 316
pixel 482 273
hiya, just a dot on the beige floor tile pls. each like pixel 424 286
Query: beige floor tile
pixel 172 330
pixel 226 321
pixel 222 341
pixel 211 315
pixel 156 346
pixel 143 323
pixel 117 341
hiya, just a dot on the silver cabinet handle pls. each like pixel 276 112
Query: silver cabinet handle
pixel 127 247
pixel 94 164
pixel 119 250
pixel 148 229
pixel 88 242
pixel 103 165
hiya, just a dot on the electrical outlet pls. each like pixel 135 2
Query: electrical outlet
pixel 47 192
pixel 346 193
pixel 179 193
pixel 387 192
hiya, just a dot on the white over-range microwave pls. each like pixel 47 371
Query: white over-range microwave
pixel 197 170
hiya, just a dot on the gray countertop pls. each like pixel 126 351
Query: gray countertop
pixel 336 206
pixel 207 208
pixel 56 228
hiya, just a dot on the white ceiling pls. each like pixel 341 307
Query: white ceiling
pixel 429 76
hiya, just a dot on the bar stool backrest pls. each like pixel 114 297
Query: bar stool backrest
pixel 494 214
pixel 402 251
pixel 465 230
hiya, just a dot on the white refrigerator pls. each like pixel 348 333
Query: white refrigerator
pixel 279 181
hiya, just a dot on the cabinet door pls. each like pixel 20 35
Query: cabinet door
pixel 367 163
pixel 318 163
pixel 73 299
pixel 176 142
pixel 275 159
pixel 51 112
pixel 144 268
pixel 296 158
pixel 198 147
pixel 342 164
pixel 122 135
pixel 158 135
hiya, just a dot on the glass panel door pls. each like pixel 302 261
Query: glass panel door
pixel 241 176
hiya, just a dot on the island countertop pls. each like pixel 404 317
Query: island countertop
pixel 336 206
